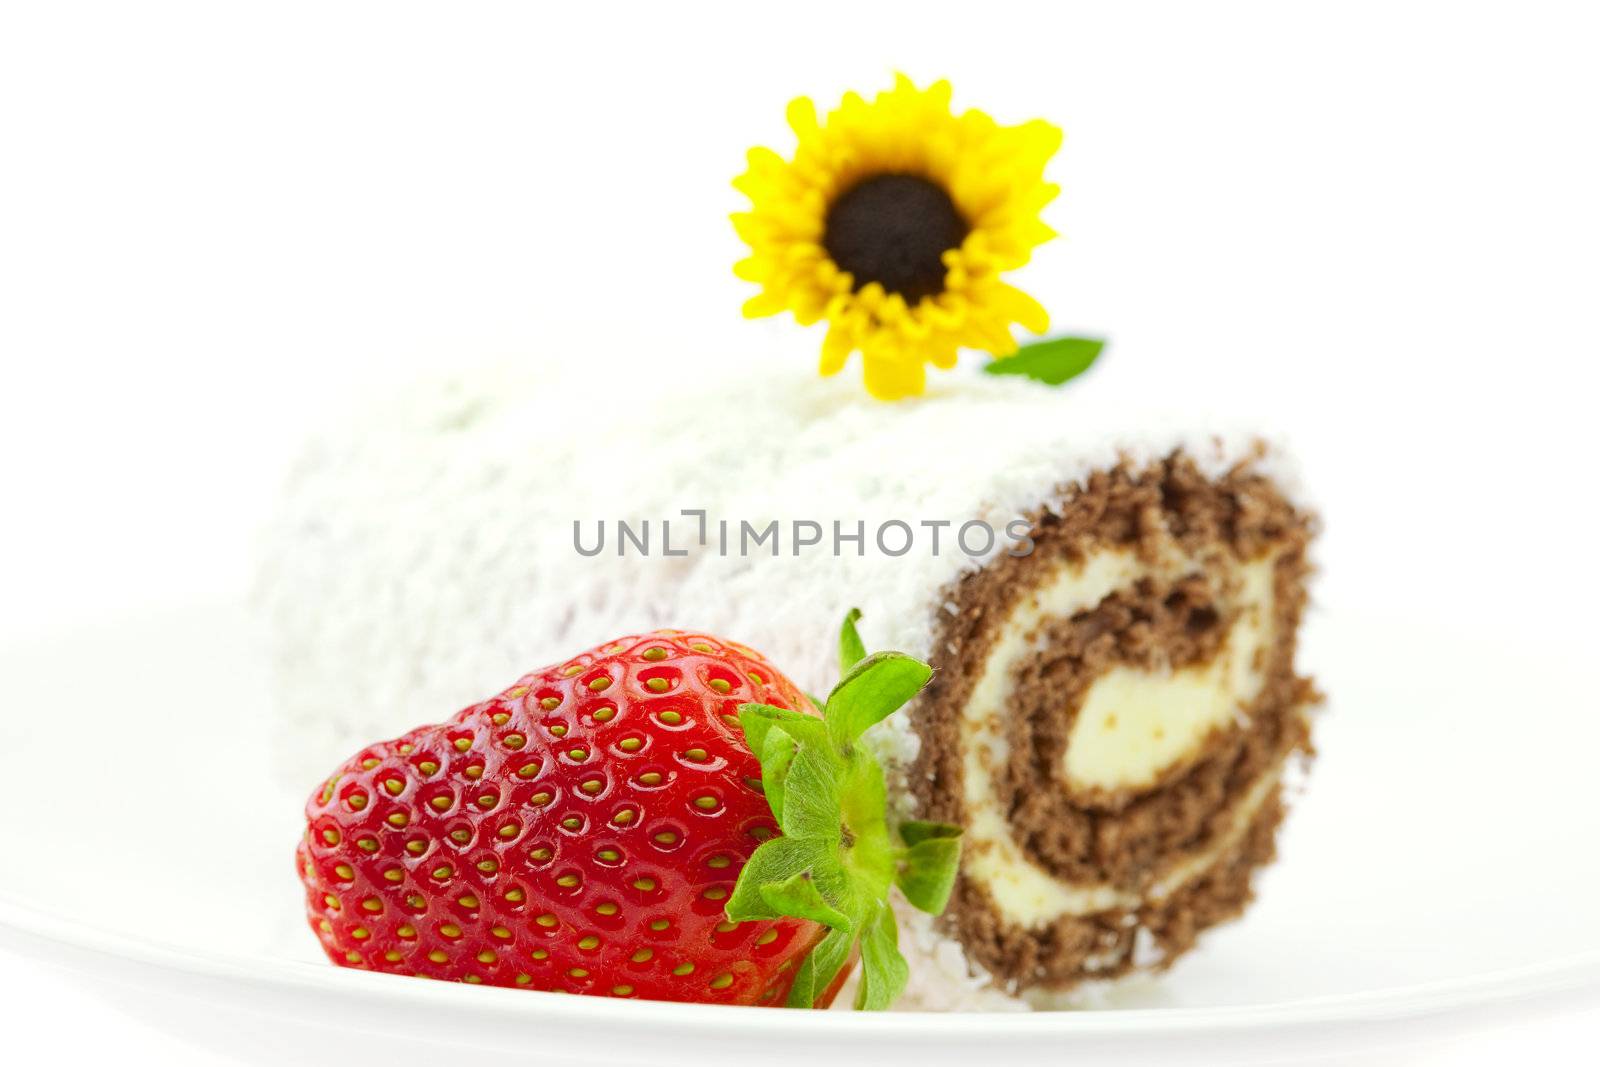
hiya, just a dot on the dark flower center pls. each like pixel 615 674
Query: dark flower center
pixel 892 229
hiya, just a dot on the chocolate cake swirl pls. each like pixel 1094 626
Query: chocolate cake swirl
pixel 1111 720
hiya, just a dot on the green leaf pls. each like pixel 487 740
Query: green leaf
pixel 872 691
pixel 811 803
pixel 773 863
pixel 851 650
pixel 884 971
pixel 757 719
pixel 787 877
pixel 799 897
pixel 778 752
pixel 926 872
pixel 820 967
pixel 915 831
pixel 1053 362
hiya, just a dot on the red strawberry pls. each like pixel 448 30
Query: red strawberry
pixel 591 830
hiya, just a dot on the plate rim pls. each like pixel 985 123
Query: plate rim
pixel 1529 986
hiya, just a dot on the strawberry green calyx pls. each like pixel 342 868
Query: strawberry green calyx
pixel 837 858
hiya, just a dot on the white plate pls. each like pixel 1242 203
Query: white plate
pixel 1437 876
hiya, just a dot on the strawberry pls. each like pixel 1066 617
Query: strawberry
pixel 663 817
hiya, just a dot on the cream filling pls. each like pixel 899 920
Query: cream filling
pixel 1126 711
pixel 1134 725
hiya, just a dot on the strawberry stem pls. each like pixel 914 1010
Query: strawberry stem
pixel 837 859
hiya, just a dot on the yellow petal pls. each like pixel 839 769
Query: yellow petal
pixel 835 350
pixel 893 379
pixel 943 354
pixel 762 305
pixel 749 227
pixel 1021 308
pixel 765 169
pixel 802 116
pixel 808 305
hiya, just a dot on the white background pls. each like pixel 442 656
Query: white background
pixel 1374 224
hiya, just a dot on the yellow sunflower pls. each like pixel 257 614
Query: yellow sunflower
pixel 894 221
